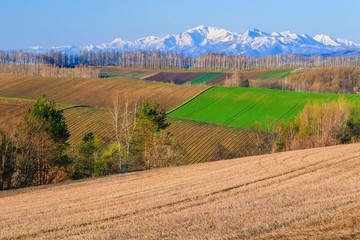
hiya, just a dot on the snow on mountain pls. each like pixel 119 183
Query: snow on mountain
pixel 202 40
pixel 327 40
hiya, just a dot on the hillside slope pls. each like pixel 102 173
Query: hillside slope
pixel 203 142
pixel 294 195
pixel 242 107
pixel 95 92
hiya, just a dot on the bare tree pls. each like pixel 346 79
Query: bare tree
pixel 124 121
pixel 129 123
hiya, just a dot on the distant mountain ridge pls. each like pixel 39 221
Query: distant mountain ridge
pixel 202 40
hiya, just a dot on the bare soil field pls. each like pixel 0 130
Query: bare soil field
pixel 173 77
pixel 307 194
pixel 220 81
pixel 168 76
pixel 95 92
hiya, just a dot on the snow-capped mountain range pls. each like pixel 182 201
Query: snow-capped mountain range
pixel 202 40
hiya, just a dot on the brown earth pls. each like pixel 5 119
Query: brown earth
pixel 96 92
pixel 10 112
pixel 173 77
pixel 220 81
pixel 307 194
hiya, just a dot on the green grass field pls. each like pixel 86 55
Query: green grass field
pixel 205 78
pixel 275 74
pixel 242 107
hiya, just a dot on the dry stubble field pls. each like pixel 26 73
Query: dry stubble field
pixel 307 194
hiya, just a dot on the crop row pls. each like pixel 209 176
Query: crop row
pixel 95 92
pixel 206 142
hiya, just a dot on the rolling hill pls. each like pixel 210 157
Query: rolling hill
pixel 192 77
pixel 95 92
pixel 307 194
pixel 203 142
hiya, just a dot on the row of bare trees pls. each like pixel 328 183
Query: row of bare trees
pixel 170 60
pixel 325 79
pixel 225 62
pixel 332 80
pixel 46 70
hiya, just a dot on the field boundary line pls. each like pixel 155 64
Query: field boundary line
pixel 190 99
pixel 77 106
pixel 149 75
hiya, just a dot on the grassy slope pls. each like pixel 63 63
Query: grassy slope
pixel 308 194
pixel 124 73
pixel 205 78
pixel 242 107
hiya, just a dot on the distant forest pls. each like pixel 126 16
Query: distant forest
pixel 158 60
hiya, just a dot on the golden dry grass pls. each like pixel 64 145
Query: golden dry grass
pixel 307 194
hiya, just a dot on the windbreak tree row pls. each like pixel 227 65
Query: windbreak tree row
pixel 170 60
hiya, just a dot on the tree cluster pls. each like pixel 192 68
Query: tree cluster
pixel 331 80
pixel 342 80
pixel 318 125
pixel 37 152
pixel 140 142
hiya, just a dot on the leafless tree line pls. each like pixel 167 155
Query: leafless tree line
pixel 344 80
pixel 46 70
pixel 170 60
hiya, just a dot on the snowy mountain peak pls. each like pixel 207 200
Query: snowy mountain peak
pixel 289 35
pixel 326 40
pixel 255 33
pixel 200 27
pixel 117 40
pixel 209 32
pixel 206 39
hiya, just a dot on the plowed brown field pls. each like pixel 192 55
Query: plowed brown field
pixel 308 194
pixel 95 92
pixel 10 111
pixel 175 77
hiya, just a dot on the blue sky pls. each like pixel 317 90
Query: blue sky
pixel 26 23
